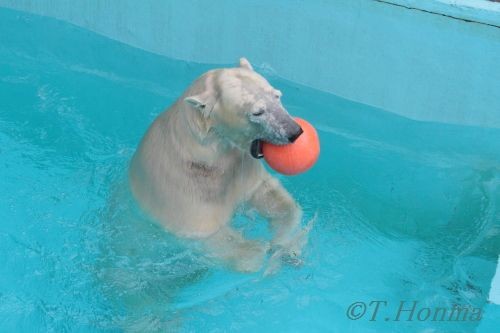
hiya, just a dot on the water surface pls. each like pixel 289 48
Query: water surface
pixel 406 210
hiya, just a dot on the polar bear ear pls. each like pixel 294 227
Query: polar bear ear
pixel 195 101
pixel 201 103
pixel 244 63
pixel 200 122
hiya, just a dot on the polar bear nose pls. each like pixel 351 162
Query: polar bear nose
pixel 294 136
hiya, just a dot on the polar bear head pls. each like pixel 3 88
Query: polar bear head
pixel 240 106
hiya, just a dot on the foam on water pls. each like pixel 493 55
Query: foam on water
pixel 406 210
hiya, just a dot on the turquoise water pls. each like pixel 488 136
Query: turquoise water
pixel 406 210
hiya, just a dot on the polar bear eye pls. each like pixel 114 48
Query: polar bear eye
pixel 259 112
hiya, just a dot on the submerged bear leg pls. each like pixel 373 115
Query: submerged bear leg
pixel 229 245
pixel 274 203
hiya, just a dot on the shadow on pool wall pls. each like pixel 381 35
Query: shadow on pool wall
pixel 407 208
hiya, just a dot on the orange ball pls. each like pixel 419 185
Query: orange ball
pixel 296 157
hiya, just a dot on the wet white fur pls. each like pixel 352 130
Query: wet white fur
pixel 193 169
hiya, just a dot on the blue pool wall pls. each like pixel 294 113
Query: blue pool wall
pixel 429 60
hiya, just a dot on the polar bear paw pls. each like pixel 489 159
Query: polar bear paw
pixel 250 256
pixel 289 252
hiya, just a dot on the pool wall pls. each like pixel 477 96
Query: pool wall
pixel 432 60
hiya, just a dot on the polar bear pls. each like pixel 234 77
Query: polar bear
pixel 194 167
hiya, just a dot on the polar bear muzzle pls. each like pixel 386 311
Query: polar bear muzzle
pixel 256 146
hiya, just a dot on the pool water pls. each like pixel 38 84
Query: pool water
pixel 407 211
